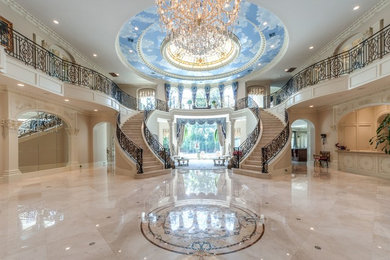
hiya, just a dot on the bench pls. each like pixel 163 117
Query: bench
pixel 182 162
pixel 219 162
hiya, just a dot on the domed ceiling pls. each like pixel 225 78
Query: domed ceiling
pixel 259 40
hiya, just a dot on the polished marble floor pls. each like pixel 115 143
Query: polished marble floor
pixel 89 214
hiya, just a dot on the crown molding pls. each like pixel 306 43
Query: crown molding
pixel 346 33
pixel 51 33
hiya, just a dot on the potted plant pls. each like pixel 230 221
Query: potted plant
pixel 214 103
pixel 189 102
pixel 382 135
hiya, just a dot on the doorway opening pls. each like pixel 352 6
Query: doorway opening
pixel 103 145
pixel 302 142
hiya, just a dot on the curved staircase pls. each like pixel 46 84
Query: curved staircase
pixel 252 165
pixel 151 165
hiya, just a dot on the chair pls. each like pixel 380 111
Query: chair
pixel 325 158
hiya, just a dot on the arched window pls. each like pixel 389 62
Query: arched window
pixel 201 100
pixel 147 100
pixel 228 97
pixel 215 99
pixel 257 94
pixel 174 98
pixel 187 98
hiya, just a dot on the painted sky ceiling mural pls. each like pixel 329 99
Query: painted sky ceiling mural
pixel 261 37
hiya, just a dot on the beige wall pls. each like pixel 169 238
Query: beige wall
pixel 44 150
pixel 358 127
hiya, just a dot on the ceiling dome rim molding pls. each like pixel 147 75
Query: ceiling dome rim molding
pixel 258 54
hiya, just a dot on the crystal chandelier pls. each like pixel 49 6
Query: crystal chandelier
pixel 198 27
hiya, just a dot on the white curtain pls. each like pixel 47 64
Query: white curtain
pixel 180 139
pixel 221 137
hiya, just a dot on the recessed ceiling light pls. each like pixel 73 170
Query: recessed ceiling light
pixel 131 51
pixel 311 47
pixel 114 74
pixel 20 85
pixel 66 100
pixel 272 46
pixel 285 70
pixel 96 111
pixel 67 248
pixel 95 55
pixel 265 23
pixel 311 106
pixel 259 64
pixel 136 28
pixel 356 7
pixel 56 22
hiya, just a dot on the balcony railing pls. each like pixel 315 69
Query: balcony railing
pixel 365 53
pixel 32 54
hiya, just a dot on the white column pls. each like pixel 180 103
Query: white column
pixel 232 123
pixel 9 149
pixel 73 148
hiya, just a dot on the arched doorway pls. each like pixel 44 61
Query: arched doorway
pixel 103 144
pixel 43 141
pixel 302 141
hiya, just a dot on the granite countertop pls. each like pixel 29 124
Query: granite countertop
pixel 361 151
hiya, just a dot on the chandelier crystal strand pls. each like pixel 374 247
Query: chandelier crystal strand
pixel 199 27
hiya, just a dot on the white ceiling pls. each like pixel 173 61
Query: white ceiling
pixel 91 26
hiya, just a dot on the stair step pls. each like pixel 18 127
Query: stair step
pixel 252 162
pixel 250 173
pixel 152 168
pixel 153 174
pixel 251 167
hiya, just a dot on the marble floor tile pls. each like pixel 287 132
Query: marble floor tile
pixel 90 214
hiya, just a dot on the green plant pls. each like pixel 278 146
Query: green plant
pixel 382 135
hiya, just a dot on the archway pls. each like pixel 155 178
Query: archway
pixel 43 141
pixel 103 144
pixel 302 140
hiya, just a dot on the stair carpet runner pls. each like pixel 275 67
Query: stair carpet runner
pixel 133 129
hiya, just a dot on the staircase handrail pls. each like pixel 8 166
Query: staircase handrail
pixel 131 149
pixel 240 153
pixel 273 148
pixel 157 148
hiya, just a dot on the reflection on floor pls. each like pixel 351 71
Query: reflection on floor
pixel 89 214
pixel 202 213
pixel 202 164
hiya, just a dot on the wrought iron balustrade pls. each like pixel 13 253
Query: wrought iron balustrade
pixel 272 149
pixel 239 153
pixel 157 148
pixel 132 150
pixel 368 51
pixel 32 54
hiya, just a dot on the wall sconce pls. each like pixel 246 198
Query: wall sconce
pixel 323 138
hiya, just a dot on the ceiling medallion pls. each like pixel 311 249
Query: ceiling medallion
pixel 198 28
